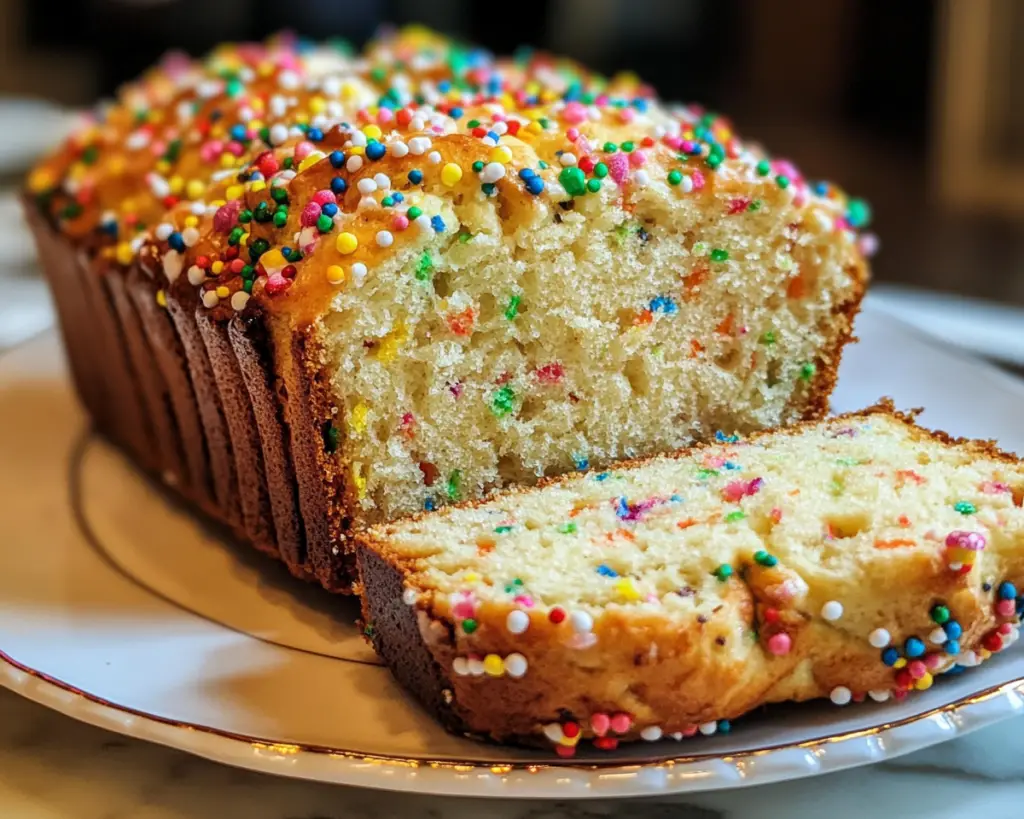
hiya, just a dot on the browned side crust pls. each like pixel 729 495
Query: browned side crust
pixel 419 646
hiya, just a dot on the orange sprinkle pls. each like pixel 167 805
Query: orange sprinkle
pixel 692 282
pixel 776 514
pixel 725 327
pixel 903 521
pixel 796 288
pixel 696 348
pixel 643 318
pixel 895 543
pixel 686 524
pixel 904 475
pixel 462 323
pixel 485 545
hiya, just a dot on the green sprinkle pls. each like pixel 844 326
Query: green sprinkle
pixel 324 223
pixel 279 195
pixel 732 517
pixel 369 630
pixel 836 488
pixel 235 236
pixel 674 177
pixel 288 162
pixel 763 558
pixel 572 180
pixel 609 147
pixel 414 213
pixel 473 123
pixel 764 168
pixel 940 614
pixel 627 146
pixel 468 626
pixel 600 170
pixel 704 474
pixel 454 485
pixel 503 402
pixel 858 213
pixel 501 530
pixel 280 219
pixel 567 529
pixel 719 255
pixel 465 236
pixel 478 166
pixel 513 307
pixel 847 461
pixel 807 371
pixel 330 433
pixel 768 338
pixel 755 205
pixel 424 267
pixel 723 572
pixel 782 181
pixel 713 161
pixel 245 216
pixel 965 508
pixel 514 587
pixel 593 185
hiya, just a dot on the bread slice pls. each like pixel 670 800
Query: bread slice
pixel 860 555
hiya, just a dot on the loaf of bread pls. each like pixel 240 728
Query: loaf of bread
pixel 316 292
pixel 854 557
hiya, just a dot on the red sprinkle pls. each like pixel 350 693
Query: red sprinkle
pixel 556 615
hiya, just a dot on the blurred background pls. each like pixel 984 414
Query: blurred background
pixel 916 105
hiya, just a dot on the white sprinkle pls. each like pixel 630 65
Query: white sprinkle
pixel 651 733
pixel 832 610
pixel 409 597
pixel 840 695
pixel 385 238
pixel 358 274
pixel 879 696
pixel 398 148
pixel 968 659
pixel 331 85
pixel 383 181
pixel 434 157
pixel 423 223
pixel 708 728
pixel 581 622
pixel 353 163
pixel 938 636
pixel 417 124
pixel 686 184
pixel 158 185
pixel 517 621
pixel 567 159
pixel 196 275
pixel 163 231
pixel 288 80
pixel 553 731
pixel 476 666
pixel 419 145
pixel 492 172
pixel 210 299
pixel 278 133
pixel 172 264
pixel 238 300
pixel 824 221
pixel 359 139
pixel 198 208
pixel 278 106
pixel 879 638
pixel 515 665
pixel 190 236
pixel 642 178
pixel 678 735
pixel 366 186
pixel 460 666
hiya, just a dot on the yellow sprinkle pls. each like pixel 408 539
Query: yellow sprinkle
pixel 389 346
pixel 924 683
pixel 40 180
pixel 265 69
pixel 372 132
pixel 317 105
pixel 357 418
pixel 234 191
pixel 191 221
pixel 161 298
pixel 256 124
pixel 227 160
pixel 534 128
pixel 348 90
pixel 626 589
pixel 218 203
pixel 311 160
pixel 273 259
pixel 900 663
pixel 257 186
pixel 450 174
pixel 217 267
pixel 162 167
pixel 357 150
pixel 494 665
pixel 346 243
pixel 223 292
pixel 176 183
pixel 124 253
pixel 301 117
pixel 359 480
pixel 471 577
pixel 335 274
pixel 501 154
pixel 194 189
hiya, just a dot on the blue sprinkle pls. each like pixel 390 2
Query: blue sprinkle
pixel 398 197
pixel 731 465
pixel 455 113
pixel 437 223
pixel 955 669
pixel 314 135
pixel 640 104
pixel 953 630
pixel 238 132
pixel 338 185
pixel 582 463
pixel 527 173
pixel 110 228
pixel 444 86
pixel 493 135
pixel 724 726
pixel 676 498
pixel 287 253
pixel 663 304
pixel 535 185
pixel 890 656
pixel 428 504
pixel 337 159
pixel 952 646
pixel 622 508
pixel 913 647
pixel 606 571
pixel 329 209
pixel 1007 591
pixel 176 242
pixel 721 437
pixel 415 176
pixel 375 150
pixel 603 476
pixel 821 188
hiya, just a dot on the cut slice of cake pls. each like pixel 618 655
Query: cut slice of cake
pixel 855 557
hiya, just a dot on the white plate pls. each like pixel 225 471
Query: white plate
pixel 117 608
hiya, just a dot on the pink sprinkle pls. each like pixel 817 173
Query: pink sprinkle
pixel 800 199
pixel 734 490
pixel 385 115
pixel 917 669
pixel 627 114
pixel 601 100
pixel 304 149
pixel 779 644
pixel 456 389
pixel 276 284
pixel 235 148
pixel 637 159
pixel 621 723
pixel 523 600
pixel 211 150
pixel 572 134
pixel 1006 608
pixel 674 142
pixel 310 214
pixel 618 167
pixel 574 113
pixel 933 660
pixel 972 541
pixel 698 180
pixel 868 245
pixel 226 216
pixel 1005 629
pixel 324 197
pixel 400 222
pixel 600 723
pixel 994 488
pixel 158 147
pixel 464 608
pixel 786 168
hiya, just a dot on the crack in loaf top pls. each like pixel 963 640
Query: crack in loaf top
pixel 291 181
